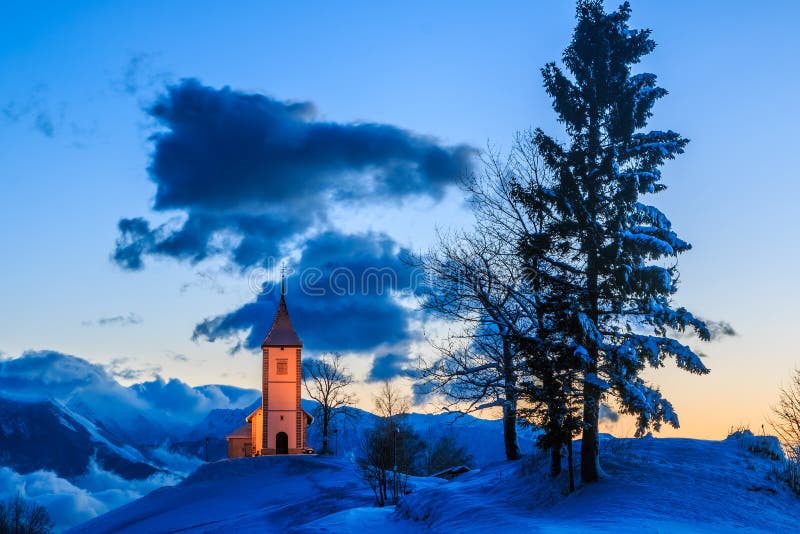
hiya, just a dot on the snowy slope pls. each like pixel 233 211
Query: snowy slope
pixel 651 485
pixel 263 494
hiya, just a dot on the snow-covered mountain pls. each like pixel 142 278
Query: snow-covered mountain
pixel 145 413
pixel 44 435
pixel 650 485
pixel 78 442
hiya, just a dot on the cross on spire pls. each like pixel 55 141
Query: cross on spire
pixel 282 333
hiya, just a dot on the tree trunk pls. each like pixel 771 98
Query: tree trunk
pixel 325 420
pixel 555 461
pixel 571 469
pixel 590 444
pixel 510 406
pixel 510 431
pixel 590 447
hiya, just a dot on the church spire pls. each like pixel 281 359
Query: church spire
pixel 282 333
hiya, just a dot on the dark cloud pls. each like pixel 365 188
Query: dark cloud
pixel 340 297
pixel 261 171
pixel 390 366
pixel 116 320
pixel 257 238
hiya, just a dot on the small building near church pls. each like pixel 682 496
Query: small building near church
pixel 240 441
pixel 279 425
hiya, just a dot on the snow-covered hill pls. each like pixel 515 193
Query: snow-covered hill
pixel 75 440
pixel 651 485
pixel 242 496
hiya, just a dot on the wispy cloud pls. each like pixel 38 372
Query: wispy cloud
pixel 141 74
pixel 205 280
pixel 34 110
pixel 116 320
pixel 176 356
pixel 121 368
pixel 718 330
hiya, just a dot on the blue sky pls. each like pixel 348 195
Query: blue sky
pixel 78 78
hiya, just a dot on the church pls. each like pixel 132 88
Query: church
pixel 279 425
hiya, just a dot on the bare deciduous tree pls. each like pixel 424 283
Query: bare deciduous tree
pixel 326 381
pixel 390 402
pixel 390 450
pixel 20 517
pixel 477 283
pixel 786 416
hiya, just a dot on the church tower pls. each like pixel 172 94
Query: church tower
pixel 284 419
pixel 279 425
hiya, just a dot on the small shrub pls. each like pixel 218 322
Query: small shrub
pixel 766 446
pixel 791 475
pixel 619 446
pixel 787 472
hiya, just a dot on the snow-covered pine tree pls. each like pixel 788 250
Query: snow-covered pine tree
pixel 621 250
pixel 551 386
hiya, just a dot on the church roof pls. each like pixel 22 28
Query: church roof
pixel 249 418
pixel 282 333
pixel 243 431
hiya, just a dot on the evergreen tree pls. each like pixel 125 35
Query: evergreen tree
pixel 551 385
pixel 619 252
